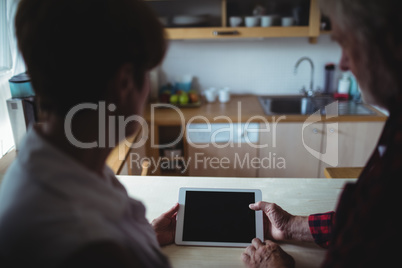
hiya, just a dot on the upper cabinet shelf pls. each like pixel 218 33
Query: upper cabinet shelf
pixel 218 19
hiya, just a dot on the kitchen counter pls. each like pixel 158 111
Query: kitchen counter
pixel 165 125
pixel 241 108
pixel 342 172
pixel 297 196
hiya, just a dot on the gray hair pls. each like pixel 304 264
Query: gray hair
pixel 375 27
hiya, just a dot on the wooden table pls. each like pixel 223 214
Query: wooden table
pixel 298 196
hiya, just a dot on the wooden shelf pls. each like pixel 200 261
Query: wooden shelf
pixel 244 32
pixel 312 30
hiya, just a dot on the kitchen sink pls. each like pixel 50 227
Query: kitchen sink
pixel 300 105
pixel 288 105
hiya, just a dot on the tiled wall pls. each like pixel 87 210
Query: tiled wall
pixel 257 66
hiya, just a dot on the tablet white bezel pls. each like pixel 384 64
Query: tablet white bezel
pixel 259 230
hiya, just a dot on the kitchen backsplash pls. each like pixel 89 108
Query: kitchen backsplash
pixel 250 66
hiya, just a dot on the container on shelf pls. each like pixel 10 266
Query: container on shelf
pixel 20 86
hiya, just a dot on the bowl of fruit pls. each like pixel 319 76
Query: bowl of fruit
pixel 180 98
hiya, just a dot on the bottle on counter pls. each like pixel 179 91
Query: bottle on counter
pixel 329 79
pixel 354 89
pixel 344 86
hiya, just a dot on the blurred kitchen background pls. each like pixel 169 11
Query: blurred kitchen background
pixel 250 66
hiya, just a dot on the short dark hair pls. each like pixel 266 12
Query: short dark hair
pixel 72 48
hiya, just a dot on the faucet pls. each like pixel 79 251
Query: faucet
pixel 310 92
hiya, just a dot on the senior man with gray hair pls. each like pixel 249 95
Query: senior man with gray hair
pixel 364 231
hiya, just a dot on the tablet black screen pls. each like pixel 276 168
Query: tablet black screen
pixel 219 217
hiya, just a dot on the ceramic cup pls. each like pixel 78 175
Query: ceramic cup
pixel 224 95
pixel 235 21
pixel 252 21
pixel 287 21
pixel 210 94
pixel 267 21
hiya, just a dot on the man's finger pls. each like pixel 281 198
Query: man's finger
pixel 260 206
pixel 257 243
pixel 250 250
pixel 272 245
pixel 245 258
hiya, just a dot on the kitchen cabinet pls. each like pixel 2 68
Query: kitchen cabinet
pixel 286 143
pixel 210 19
pixel 285 149
pixel 357 142
pixel 223 149
pixel 278 150
pixel 307 151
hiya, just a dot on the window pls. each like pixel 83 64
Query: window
pixel 10 64
pixel 5 52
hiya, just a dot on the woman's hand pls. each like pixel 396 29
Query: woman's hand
pixel 165 226
pixel 267 254
pixel 279 225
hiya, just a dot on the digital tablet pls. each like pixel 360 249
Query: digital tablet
pixel 218 217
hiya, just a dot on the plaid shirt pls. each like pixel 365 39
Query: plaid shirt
pixel 366 229
pixel 321 227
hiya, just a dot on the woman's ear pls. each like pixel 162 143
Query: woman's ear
pixel 123 84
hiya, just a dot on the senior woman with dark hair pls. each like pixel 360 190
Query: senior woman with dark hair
pixel 60 205
pixel 365 230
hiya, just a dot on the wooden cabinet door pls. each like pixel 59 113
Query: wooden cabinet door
pixel 234 161
pixel 222 150
pixel 356 142
pixel 288 143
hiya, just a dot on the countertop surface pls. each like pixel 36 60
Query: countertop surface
pixel 343 172
pixel 241 108
pixel 297 196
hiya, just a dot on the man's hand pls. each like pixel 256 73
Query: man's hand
pixel 165 226
pixel 279 225
pixel 276 220
pixel 264 255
